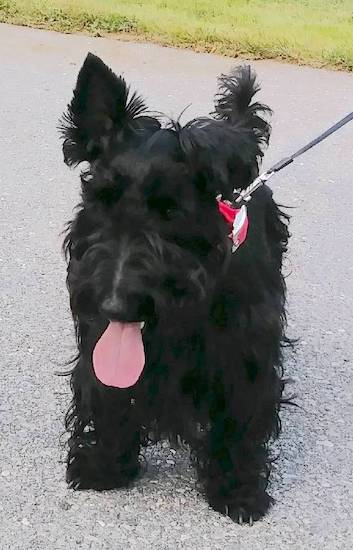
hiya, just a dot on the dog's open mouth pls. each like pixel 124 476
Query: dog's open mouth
pixel 119 355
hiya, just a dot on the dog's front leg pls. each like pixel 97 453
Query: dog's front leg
pixel 233 461
pixel 104 441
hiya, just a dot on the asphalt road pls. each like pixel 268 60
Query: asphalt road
pixel 313 480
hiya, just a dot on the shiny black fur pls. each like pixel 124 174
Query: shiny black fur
pixel 148 243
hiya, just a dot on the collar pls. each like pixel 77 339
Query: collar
pixel 237 220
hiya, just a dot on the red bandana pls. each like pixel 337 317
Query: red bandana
pixel 237 220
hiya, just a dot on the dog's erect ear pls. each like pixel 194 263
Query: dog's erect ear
pixel 229 146
pixel 233 102
pixel 100 106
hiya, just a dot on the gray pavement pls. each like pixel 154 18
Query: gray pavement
pixel 313 480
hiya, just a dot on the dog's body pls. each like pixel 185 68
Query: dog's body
pixel 148 244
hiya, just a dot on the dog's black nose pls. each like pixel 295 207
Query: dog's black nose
pixel 126 308
pixel 111 307
pixel 120 308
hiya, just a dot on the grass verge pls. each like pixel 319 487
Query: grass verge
pixel 315 32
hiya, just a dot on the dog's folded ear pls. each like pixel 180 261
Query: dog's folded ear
pixel 229 146
pixel 101 105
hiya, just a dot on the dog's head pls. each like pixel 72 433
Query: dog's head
pixel 148 239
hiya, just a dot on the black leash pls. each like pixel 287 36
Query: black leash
pixel 245 194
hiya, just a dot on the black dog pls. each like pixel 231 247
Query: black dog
pixel 177 336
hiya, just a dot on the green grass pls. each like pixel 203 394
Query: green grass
pixel 316 32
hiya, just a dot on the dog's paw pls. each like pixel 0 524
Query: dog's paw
pixel 243 509
pixel 91 472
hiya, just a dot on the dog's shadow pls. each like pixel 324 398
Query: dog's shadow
pixel 162 460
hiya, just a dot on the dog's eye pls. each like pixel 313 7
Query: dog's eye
pixel 166 207
pixel 108 195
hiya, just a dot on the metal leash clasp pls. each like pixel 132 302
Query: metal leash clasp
pixel 244 195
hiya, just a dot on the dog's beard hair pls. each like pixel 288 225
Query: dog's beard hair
pixel 149 227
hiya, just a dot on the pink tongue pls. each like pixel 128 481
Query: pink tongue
pixel 119 356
